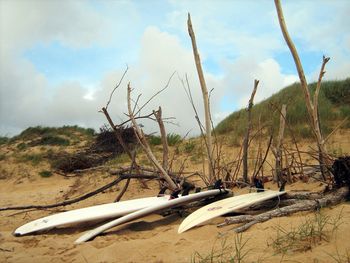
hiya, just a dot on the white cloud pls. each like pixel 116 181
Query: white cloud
pixel 231 33
pixel 23 23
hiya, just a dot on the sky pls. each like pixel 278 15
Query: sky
pixel 61 59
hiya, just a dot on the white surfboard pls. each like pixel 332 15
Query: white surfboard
pixel 147 211
pixel 225 206
pixel 92 213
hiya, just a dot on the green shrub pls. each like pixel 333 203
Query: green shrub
pixel 4 140
pixel 49 139
pixel 45 173
pixel 35 159
pixel 72 132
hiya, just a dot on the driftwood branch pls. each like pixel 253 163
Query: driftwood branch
pixel 67 202
pixel 246 138
pixel 117 133
pixel 117 86
pixel 331 198
pixel 142 139
pixel 85 196
pixel 205 97
pixel 158 115
pixel 312 107
pixel 156 94
pixel 278 150
pixel 201 128
pixel 264 159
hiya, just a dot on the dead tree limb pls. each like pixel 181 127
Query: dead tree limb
pixel 156 94
pixel 117 133
pixel 293 138
pixel 312 107
pixel 122 192
pixel 263 161
pixel 158 115
pixel 117 86
pixel 246 138
pixel 279 143
pixel 67 202
pixel 85 196
pixel 205 97
pixel 330 199
pixel 142 139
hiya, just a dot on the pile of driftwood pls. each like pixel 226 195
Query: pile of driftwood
pixel 105 147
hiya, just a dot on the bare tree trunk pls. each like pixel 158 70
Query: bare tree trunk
pixel 312 107
pixel 158 115
pixel 141 137
pixel 117 133
pixel 205 98
pixel 246 138
pixel 278 150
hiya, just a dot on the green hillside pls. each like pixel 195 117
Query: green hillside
pixel 334 102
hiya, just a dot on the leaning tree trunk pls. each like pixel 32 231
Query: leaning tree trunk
pixel 278 150
pixel 312 107
pixel 209 143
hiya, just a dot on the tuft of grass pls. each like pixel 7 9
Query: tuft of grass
pixel 173 139
pixel 189 146
pixel 235 251
pixel 307 235
pixel 45 173
pixel 155 140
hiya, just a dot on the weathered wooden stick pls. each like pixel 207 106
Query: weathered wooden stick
pixel 117 133
pixel 312 107
pixel 246 138
pixel 205 97
pixel 141 138
pixel 332 198
pixel 279 162
pixel 85 196
pixel 67 202
pixel 158 115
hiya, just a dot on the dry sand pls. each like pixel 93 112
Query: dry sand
pixel 151 239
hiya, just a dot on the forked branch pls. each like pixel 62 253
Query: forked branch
pixel 142 139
